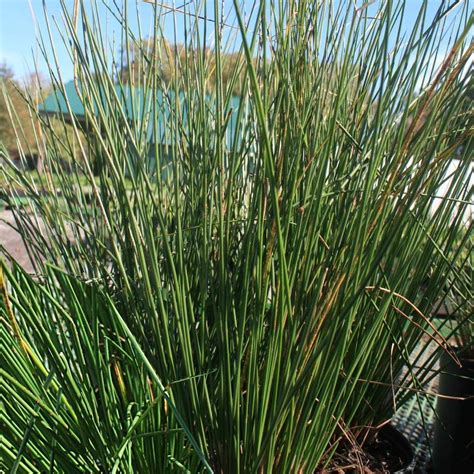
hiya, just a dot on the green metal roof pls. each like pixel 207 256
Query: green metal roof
pixel 135 102
pixel 56 103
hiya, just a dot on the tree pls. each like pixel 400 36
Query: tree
pixel 173 61
pixel 21 128
pixel 16 124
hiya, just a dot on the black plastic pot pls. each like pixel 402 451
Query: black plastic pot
pixel 389 449
pixel 401 446
pixel 453 445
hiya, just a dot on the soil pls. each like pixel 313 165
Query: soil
pixel 379 456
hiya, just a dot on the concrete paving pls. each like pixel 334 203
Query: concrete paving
pixel 11 241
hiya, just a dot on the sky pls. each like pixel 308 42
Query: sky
pixel 20 21
pixel 18 29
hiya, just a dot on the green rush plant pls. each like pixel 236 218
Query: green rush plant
pixel 233 284
pixel 81 383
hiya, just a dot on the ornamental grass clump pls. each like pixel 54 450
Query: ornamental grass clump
pixel 241 281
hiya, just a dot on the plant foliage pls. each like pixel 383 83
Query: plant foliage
pixel 254 307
